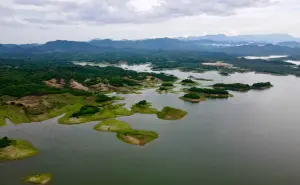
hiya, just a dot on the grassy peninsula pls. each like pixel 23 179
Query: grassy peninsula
pixel 143 107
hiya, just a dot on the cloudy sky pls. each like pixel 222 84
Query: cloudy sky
pixel 31 21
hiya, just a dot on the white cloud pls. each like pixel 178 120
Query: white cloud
pixel 40 21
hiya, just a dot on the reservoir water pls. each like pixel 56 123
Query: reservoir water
pixel 250 139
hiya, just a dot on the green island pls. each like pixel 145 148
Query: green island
pixel 126 133
pixel 193 97
pixel 243 87
pixel 200 79
pixel 11 149
pixel 189 82
pixel 112 125
pixel 261 86
pixel 41 179
pixel 166 87
pixel 233 87
pixel 143 107
pixel 137 137
pixel 170 113
pixel 210 93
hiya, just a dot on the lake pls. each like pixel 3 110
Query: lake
pixel 250 139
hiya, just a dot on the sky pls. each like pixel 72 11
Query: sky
pixel 39 21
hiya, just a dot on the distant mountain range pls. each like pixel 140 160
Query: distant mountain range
pixel 268 38
pixel 274 44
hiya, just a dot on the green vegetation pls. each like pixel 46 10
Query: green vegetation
pixel 112 125
pixel 5 142
pixel 163 88
pixel 19 149
pixel 262 85
pixel 107 112
pixel 209 91
pixel 86 110
pixel 143 107
pixel 41 179
pixel 126 133
pixel 169 113
pixel 103 98
pixel 193 97
pixel 19 78
pixel 167 84
pixel 188 82
pixel 233 87
pixel 137 137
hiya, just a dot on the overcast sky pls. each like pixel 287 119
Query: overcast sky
pixel 38 21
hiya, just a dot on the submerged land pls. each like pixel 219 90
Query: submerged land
pixel 41 179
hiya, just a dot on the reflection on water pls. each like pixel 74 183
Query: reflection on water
pixel 250 139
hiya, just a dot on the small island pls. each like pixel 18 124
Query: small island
pixel 143 107
pixel 112 125
pixel 188 82
pixel 233 87
pixel 261 86
pixel 192 97
pixel 166 87
pixel 200 79
pixel 39 178
pixel 11 149
pixel 210 93
pixel 126 133
pixel 170 113
pixel 137 137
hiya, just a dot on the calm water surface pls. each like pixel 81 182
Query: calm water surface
pixel 250 139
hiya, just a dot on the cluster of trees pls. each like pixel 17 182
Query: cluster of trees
pixel 167 84
pixel 161 88
pixel 103 98
pixel 143 104
pixel 86 110
pixel 233 86
pixel 192 96
pixel 188 81
pixel 209 91
pixel 5 142
pixel 261 85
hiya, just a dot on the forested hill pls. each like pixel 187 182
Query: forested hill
pixel 19 78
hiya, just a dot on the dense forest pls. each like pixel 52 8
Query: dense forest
pixel 20 78
pixel 164 59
